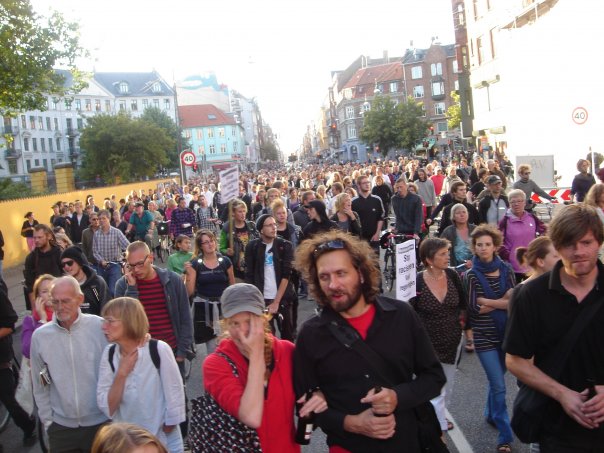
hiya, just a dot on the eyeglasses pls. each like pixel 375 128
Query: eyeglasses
pixel 56 303
pixel 111 320
pixel 94 219
pixel 336 244
pixel 67 263
pixel 206 242
pixel 137 265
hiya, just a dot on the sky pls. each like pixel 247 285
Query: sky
pixel 280 51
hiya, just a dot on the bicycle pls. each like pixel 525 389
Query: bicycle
pixel 388 241
pixel 163 249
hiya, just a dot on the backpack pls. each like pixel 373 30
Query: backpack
pixel 153 351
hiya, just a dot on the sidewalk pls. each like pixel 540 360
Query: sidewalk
pixel 13 277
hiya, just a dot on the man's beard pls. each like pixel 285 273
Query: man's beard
pixel 347 303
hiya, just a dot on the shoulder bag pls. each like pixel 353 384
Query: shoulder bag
pixel 530 405
pixel 213 430
pixel 429 432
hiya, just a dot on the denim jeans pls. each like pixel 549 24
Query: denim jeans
pixel 493 363
pixel 111 274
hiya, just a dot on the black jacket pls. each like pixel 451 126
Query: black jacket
pixel 301 217
pixel 354 227
pixel 445 220
pixel 38 263
pixel 313 227
pixel 344 377
pixel 283 257
pixel 8 318
pixel 96 292
pixel 77 228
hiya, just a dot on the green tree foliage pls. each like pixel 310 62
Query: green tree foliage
pixel 269 151
pixel 454 112
pixel 160 118
pixel 389 125
pixel 123 147
pixel 31 46
pixel 10 190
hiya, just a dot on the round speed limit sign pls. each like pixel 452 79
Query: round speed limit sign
pixel 188 158
pixel 580 115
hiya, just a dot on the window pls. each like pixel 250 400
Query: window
pixel 223 148
pixel 156 103
pixel 88 105
pixel 461 15
pixel 43 145
pixel 156 88
pixel 416 72
pixel 26 144
pixel 456 85
pixel 28 165
pixel 439 108
pixel 58 144
pixel 68 104
pixel 366 106
pixel 56 124
pixel 80 123
pixel 166 104
pixel 97 105
pixel 476 9
pixel 393 87
pixel 145 103
pixel 423 110
pixel 32 122
pixel 233 132
pixel 201 149
pixel 210 133
pixel 37 162
pixel 122 105
pixel 352 131
pixel 40 123
pixel 48 128
pixel 45 163
pixel 212 149
pixel 50 145
pixel 134 105
pixel 418 91
pixel 493 34
pixel 235 146
pixel 455 67
pixel 199 134
pixel 442 126
pixel 187 133
pixel 480 49
pixel 78 104
pixel 436 69
pixel 107 105
pixel 438 88
pixel 34 144
pixel 211 116
pixel 53 162
pixel 221 132
pixel 53 103
pixel 23 122
pixel 123 87
pixel 349 112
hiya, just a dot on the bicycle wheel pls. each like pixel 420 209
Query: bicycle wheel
pixel 392 272
pixel 389 271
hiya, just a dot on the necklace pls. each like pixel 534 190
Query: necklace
pixel 440 277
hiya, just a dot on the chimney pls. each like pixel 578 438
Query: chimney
pixel 386 60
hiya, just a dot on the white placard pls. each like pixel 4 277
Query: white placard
pixel 229 184
pixel 406 271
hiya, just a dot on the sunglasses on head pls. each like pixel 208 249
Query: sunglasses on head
pixel 335 244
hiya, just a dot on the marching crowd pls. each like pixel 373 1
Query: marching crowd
pixel 110 332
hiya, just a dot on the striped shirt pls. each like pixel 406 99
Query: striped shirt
pixel 151 295
pixel 109 246
pixel 486 337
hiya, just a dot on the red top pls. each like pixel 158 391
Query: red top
pixel 151 295
pixel 277 429
pixel 362 323
pixel 437 180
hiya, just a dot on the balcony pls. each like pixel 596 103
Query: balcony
pixel 9 129
pixel 72 132
pixel 10 153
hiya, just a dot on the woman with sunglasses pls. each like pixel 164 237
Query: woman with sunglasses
pixel 139 380
pixel 319 222
pixel 207 276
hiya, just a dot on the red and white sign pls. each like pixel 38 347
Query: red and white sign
pixel 188 158
pixel 580 115
pixel 560 195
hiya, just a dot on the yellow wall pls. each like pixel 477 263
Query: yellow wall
pixel 12 212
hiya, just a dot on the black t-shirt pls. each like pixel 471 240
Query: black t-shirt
pixel 542 311
pixel 370 211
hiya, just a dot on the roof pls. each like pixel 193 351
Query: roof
pixel 203 115
pixel 376 74
pixel 139 83
pixel 418 55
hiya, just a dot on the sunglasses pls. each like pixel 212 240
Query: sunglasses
pixel 336 244
pixel 67 263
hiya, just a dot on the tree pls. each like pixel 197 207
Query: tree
pixel 389 125
pixel 31 46
pixel 269 151
pixel 160 118
pixel 10 190
pixel 122 147
pixel 454 112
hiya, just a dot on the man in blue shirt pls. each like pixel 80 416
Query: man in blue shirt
pixel 142 223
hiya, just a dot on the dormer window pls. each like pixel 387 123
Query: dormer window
pixel 123 87
pixel 156 88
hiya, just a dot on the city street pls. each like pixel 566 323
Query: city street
pixel 471 434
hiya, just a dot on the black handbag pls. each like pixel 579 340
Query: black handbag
pixel 213 430
pixel 429 432
pixel 530 405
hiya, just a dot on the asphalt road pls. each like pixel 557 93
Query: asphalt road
pixel 471 434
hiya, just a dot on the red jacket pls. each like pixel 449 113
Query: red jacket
pixel 277 430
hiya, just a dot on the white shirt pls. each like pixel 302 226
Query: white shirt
pixel 270 283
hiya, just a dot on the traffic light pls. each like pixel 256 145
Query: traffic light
pixel 431 130
pixel 195 168
pixel 334 126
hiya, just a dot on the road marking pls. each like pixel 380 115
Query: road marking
pixel 456 435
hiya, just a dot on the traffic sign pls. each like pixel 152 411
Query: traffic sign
pixel 580 115
pixel 188 158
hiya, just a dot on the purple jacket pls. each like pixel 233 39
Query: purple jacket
pixel 518 232
pixel 27 330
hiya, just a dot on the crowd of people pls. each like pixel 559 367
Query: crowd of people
pixel 108 325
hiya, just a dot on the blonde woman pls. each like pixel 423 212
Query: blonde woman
pixel 345 217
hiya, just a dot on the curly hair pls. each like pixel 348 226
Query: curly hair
pixel 487 230
pixel 361 254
